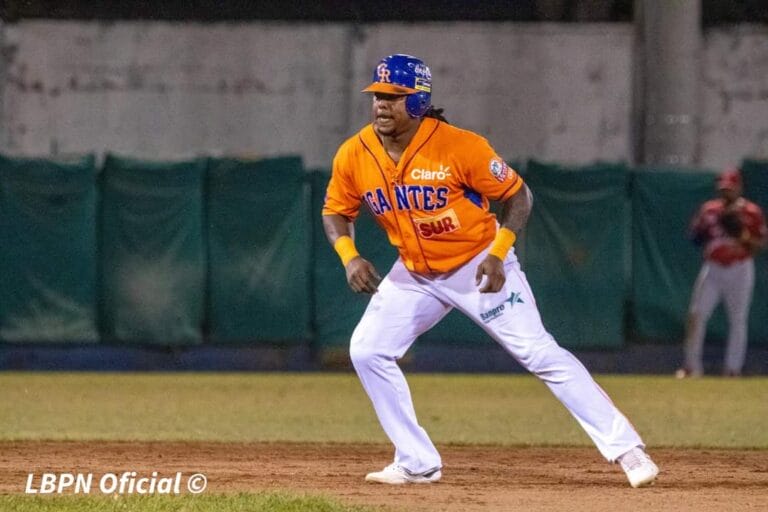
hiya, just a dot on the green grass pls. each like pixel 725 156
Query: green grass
pixel 482 409
pixel 245 502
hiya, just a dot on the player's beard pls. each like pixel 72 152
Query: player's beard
pixel 385 126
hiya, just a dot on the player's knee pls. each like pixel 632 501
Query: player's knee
pixel 548 362
pixel 533 362
pixel 363 356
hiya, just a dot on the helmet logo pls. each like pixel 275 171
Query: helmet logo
pixel 382 72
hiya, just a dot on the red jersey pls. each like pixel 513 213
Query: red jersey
pixel 433 203
pixel 719 247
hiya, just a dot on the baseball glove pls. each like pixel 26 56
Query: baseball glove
pixel 731 224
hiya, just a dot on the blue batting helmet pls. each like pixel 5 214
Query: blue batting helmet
pixel 404 74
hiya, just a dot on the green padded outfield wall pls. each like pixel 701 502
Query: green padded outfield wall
pixel 576 251
pixel 665 262
pixel 337 308
pixel 152 253
pixel 756 189
pixel 48 250
pixel 259 251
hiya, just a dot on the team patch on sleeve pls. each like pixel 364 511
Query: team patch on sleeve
pixel 499 169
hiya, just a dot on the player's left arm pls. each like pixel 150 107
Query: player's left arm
pixel 516 210
pixel 755 234
pixel 512 219
pixel 484 171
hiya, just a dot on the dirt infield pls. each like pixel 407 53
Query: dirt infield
pixel 475 478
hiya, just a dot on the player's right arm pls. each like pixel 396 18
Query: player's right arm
pixel 361 274
pixel 342 204
pixel 698 229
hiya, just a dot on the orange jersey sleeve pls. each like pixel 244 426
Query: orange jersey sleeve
pixel 486 172
pixel 341 196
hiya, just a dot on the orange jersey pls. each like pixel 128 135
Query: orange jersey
pixel 433 204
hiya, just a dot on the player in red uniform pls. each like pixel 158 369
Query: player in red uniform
pixel 731 230
pixel 428 185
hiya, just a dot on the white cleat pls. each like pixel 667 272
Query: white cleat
pixel 395 474
pixel 685 373
pixel 640 469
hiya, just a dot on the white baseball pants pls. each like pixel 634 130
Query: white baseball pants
pixel 734 284
pixel 408 304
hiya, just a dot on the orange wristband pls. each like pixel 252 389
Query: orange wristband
pixel 505 239
pixel 345 248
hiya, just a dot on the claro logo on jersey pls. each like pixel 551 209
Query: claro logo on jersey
pixel 443 173
pixel 446 222
pixel 407 197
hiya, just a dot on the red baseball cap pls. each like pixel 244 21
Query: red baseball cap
pixel 729 179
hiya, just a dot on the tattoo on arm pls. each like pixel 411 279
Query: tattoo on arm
pixel 516 210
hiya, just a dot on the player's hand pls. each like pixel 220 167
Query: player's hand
pixel 362 276
pixel 492 267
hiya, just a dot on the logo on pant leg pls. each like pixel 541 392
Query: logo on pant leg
pixel 499 310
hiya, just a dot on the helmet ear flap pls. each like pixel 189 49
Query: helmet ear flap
pixel 417 104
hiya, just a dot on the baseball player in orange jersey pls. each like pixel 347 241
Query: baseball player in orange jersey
pixel 428 185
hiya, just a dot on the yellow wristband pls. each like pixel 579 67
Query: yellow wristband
pixel 505 239
pixel 345 248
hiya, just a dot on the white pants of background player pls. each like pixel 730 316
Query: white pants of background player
pixel 408 304
pixel 734 285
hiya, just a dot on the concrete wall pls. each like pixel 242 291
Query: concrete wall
pixel 164 90
pixel 559 92
pixel 735 95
